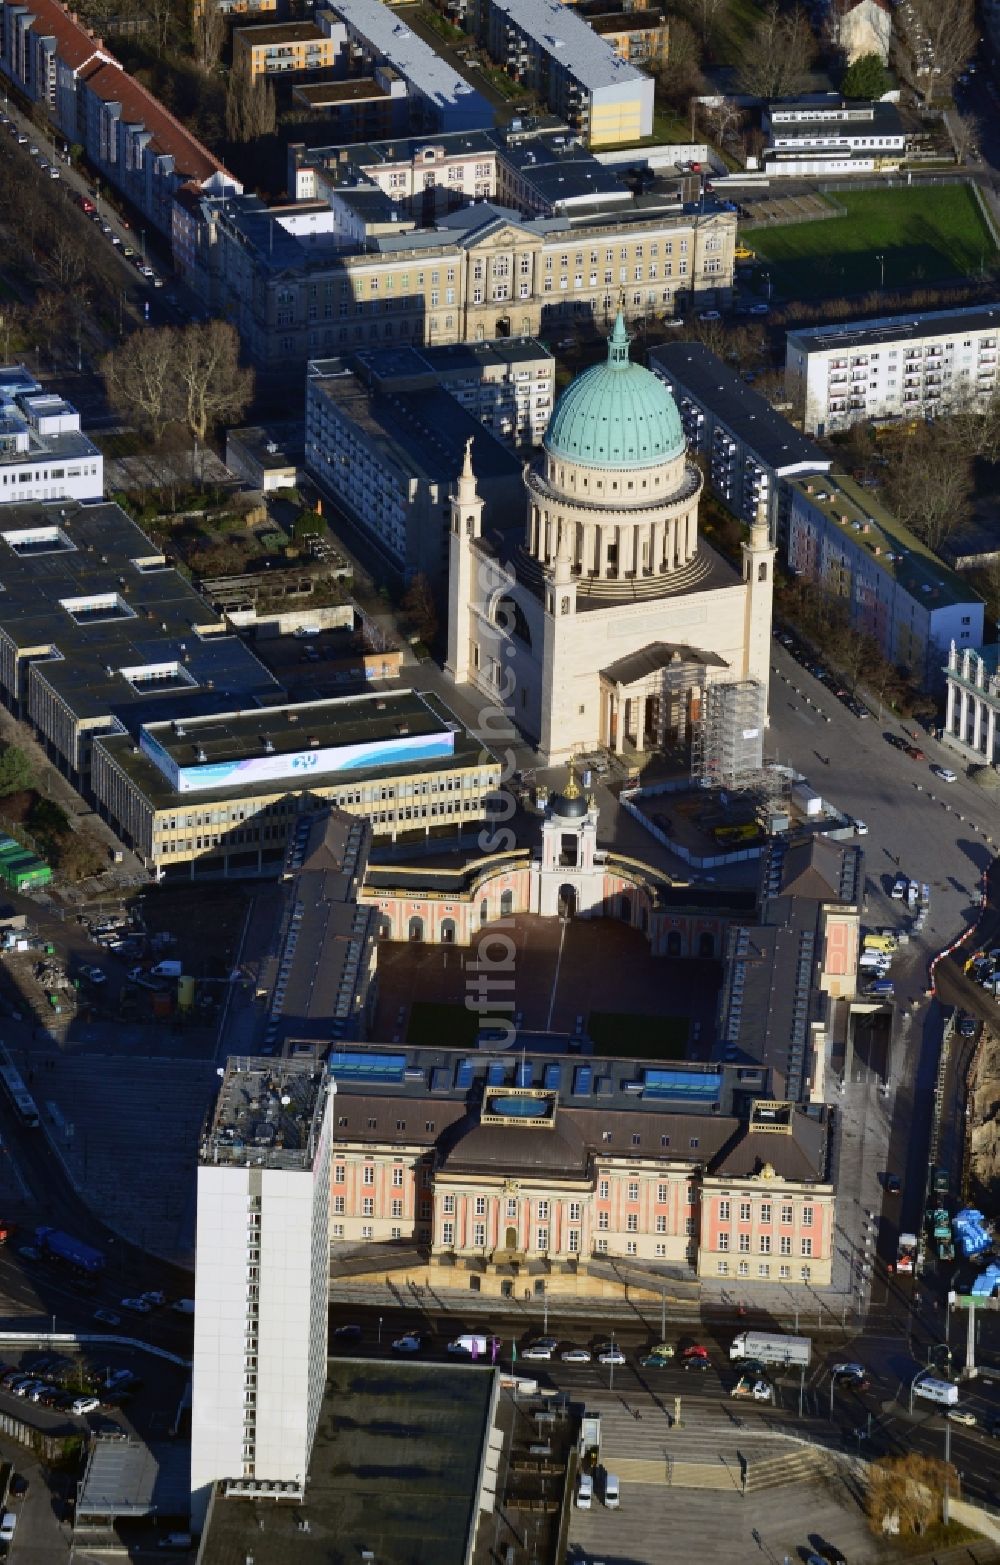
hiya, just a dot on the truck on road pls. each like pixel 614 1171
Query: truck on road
pixel 772 1348
pixel 943 1391
pixel 906 1253
pixel 63 1247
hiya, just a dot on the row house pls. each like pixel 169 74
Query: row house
pixel 129 138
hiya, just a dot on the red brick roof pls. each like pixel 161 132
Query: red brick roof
pixel 76 45
pixel 96 65
pixel 139 107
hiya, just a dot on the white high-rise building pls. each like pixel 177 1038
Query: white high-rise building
pixel 261 1280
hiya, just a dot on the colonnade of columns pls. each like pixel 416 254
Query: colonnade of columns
pixel 972 719
pixel 616 549
pixel 642 719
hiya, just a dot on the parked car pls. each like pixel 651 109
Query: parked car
pixel 138 1306
pixel 575 1356
pixel 18 1486
pixel 154 1298
pixel 611 1356
pixel 108 1317
pixel 93 975
pixel 893 1184
pixel 542 1351
pixel 945 774
pixel 410 1342
pixel 351 1333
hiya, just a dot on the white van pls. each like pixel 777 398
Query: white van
pixel 8 1526
pixel 585 1492
pixel 612 1491
pixel 943 1391
pixel 474 1346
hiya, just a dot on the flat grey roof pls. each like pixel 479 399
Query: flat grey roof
pixel 156 788
pixel 125 1478
pixel 388 35
pixel 268 1113
pixel 395 1470
pixel 896 328
pixel 570 41
pixel 57 558
pixel 424 432
pixel 690 367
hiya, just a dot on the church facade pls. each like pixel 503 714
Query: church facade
pixel 604 624
pixel 567 875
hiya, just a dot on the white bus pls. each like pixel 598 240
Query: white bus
pixel 24 1104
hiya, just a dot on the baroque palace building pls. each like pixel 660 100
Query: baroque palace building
pixel 602 620
pixel 528 1171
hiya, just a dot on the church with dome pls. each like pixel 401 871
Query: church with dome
pixel 603 618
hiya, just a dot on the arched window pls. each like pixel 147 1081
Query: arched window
pixel 706 945
pixel 416 928
pixel 762 571
pixel 625 909
pixel 484 911
pixel 509 615
pixel 506 903
pixel 674 943
pixel 447 931
pixel 385 927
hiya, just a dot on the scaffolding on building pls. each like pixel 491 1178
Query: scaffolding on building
pixel 727 740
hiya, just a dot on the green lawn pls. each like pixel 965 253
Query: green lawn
pixel 639 1037
pixel 434 1026
pixel 929 234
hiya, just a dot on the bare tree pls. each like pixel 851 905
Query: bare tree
pixel 778 55
pixel 929 485
pixel 250 106
pixel 965 135
pixel 48 320
pixel 209 34
pixel 212 383
pixel 680 74
pixel 951 32
pixel 705 15
pixel 11 316
pixel 141 379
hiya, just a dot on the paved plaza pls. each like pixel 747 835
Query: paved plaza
pixel 561 973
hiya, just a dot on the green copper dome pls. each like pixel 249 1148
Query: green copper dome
pixel 616 415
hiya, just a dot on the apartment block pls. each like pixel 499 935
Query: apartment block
pixel 899 366
pixel 390 457
pixel 895 589
pixel 261 1281
pixel 274 50
pixel 371 34
pixel 638 36
pixel 553 51
pixel 44 455
pixel 748 447
pixel 507 385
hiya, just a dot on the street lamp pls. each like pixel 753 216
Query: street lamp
pixel 881 262
pixel 380 1331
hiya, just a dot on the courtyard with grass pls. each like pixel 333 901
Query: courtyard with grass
pixel 889 239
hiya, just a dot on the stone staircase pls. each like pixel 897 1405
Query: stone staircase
pixel 793 1464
